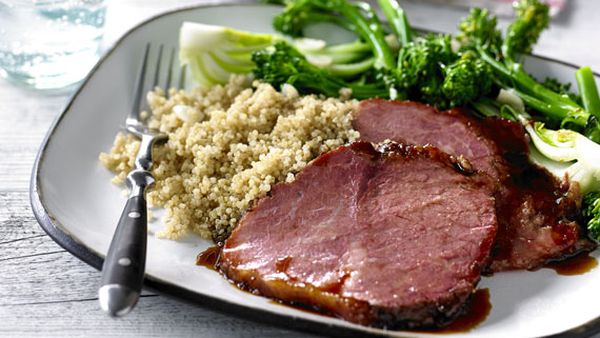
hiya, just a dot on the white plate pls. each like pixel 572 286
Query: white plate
pixel 76 204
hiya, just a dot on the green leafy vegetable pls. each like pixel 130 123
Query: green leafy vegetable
pixel 478 31
pixel 565 153
pixel 589 93
pixel 591 213
pixel 466 80
pixel 532 17
pixel 282 63
pixel 554 106
pixel 358 17
pixel 301 13
pixel 397 20
pixel 580 155
pixel 213 53
pixel 421 66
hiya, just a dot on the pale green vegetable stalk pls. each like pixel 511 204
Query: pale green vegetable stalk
pixel 213 53
pixel 566 154
pixel 578 158
pixel 580 155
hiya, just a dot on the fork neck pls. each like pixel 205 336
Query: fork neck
pixel 143 159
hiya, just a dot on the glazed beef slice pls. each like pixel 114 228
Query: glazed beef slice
pixel 394 237
pixel 536 213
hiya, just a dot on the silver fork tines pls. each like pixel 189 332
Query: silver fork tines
pixel 123 269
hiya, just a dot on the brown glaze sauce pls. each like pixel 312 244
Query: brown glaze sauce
pixel 574 266
pixel 282 264
pixel 478 311
pixel 209 257
pixel 302 307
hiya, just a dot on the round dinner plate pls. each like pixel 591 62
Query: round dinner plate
pixel 76 204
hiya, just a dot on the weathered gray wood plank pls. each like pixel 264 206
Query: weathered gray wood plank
pixel 36 269
pixel 17 249
pixel 16 218
pixel 153 317
pixel 24 119
pixel 50 276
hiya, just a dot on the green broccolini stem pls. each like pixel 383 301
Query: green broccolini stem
pixel 370 29
pixel 591 213
pixel 554 110
pixel 362 92
pixel 325 85
pixel 350 47
pixel 342 22
pixel 526 82
pixel 556 106
pixel 347 52
pixel 351 69
pixel 331 86
pixel 588 90
pixel 559 107
pixel 317 17
pixel 486 107
pixel 496 65
pixel 397 19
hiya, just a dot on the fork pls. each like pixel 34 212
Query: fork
pixel 123 269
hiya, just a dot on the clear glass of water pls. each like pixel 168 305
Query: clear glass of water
pixel 49 44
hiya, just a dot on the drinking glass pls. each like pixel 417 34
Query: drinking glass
pixel 49 44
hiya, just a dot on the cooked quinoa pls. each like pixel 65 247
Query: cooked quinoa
pixel 227 146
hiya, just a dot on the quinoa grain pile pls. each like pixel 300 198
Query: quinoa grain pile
pixel 227 146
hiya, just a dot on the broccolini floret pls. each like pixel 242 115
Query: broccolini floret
pixel 561 88
pixel 359 17
pixel 301 13
pixel 478 30
pixel 556 108
pixel 214 53
pixel 430 71
pixel 282 64
pixel 421 66
pixel 466 80
pixel 532 17
pixel 591 213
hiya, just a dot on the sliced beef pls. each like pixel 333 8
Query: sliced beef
pixel 393 237
pixel 417 123
pixel 536 212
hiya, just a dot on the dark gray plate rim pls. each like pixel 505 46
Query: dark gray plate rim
pixel 52 227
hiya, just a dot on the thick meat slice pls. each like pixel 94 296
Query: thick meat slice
pixel 535 212
pixel 417 123
pixel 395 237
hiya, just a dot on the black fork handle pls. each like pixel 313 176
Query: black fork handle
pixel 123 269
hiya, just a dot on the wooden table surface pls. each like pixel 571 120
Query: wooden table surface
pixel 45 291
